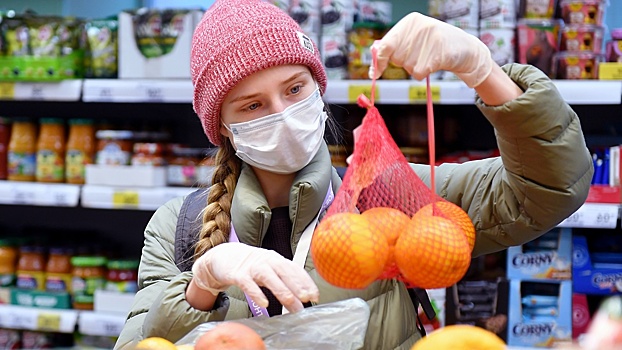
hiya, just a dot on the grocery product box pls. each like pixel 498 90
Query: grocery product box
pixel 125 175
pixel 548 257
pixel 604 194
pixel 35 298
pixel 156 44
pixel 595 272
pixel 581 316
pixel 610 71
pixel 540 313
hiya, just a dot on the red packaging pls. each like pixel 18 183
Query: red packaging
pixel 576 65
pixel 582 37
pixel 538 42
pixel 583 11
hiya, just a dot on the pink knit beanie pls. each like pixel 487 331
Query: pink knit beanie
pixel 235 39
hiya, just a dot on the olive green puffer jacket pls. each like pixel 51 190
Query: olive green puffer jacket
pixel 542 176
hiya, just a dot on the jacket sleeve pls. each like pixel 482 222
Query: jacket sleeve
pixel 160 308
pixel 542 176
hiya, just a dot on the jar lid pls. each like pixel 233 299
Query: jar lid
pixel 51 121
pixel 6 242
pixel 123 264
pixel 114 134
pixel 83 299
pixel 368 25
pixel 81 121
pixel 88 261
pixel 616 34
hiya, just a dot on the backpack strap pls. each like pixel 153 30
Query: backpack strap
pixel 188 227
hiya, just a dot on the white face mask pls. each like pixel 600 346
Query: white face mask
pixel 285 142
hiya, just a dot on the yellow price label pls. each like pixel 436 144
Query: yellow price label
pixel 7 90
pixel 48 322
pixel 125 199
pixel 354 91
pixel 419 94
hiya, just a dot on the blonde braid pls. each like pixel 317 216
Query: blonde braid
pixel 217 215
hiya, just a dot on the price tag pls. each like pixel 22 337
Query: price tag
pixel 37 92
pixel 110 328
pixel 592 215
pixel 7 91
pixel 48 322
pixel 419 93
pixel 153 93
pixel 121 199
pixel 60 199
pixel 22 195
pixel 354 91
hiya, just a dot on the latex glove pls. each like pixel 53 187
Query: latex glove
pixel 249 268
pixel 423 45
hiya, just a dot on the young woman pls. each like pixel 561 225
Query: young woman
pixel 258 83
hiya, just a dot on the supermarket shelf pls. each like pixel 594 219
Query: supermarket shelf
pixel 101 324
pixel 36 319
pixel 33 193
pixel 588 92
pixel 104 197
pixel 138 91
pixel 456 92
pixel 65 90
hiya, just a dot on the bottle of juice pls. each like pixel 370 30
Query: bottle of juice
pixel 51 151
pixel 22 150
pixel 80 149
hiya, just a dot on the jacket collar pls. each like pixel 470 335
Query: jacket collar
pixel 249 209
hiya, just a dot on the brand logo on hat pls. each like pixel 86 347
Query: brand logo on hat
pixel 305 42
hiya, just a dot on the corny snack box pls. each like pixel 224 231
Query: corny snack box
pixel 595 272
pixel 540 313
pixel 548 257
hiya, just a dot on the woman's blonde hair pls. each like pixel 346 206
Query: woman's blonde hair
pixel 217 215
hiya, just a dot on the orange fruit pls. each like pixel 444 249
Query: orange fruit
pixel 456 215
pixel 432 252
pixel 230 336
pixel 346 252
pixel 155 343
pixel 460 337
pixel 389 222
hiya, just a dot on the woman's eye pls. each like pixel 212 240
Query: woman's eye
pixel 253 107
pixel 295 89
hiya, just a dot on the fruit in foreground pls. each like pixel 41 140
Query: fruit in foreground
pixel 454 213
pixel 432 252
pixel 155 343
pixel 389 222
pixel 230 336
pixel 460 337
pixel 346 252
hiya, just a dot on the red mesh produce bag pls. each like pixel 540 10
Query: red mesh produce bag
pixel 428 248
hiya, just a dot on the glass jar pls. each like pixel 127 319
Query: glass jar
pixel 122 276
pixel 88 275
pixel 58 270
pixel 8 263
pixel 614 46
pixel 80 150
pixel 51 151
pixel 148 153
pixel 5 136
pixel 22 150
pixel 182 166
pixel 31 268
pixel 114 147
